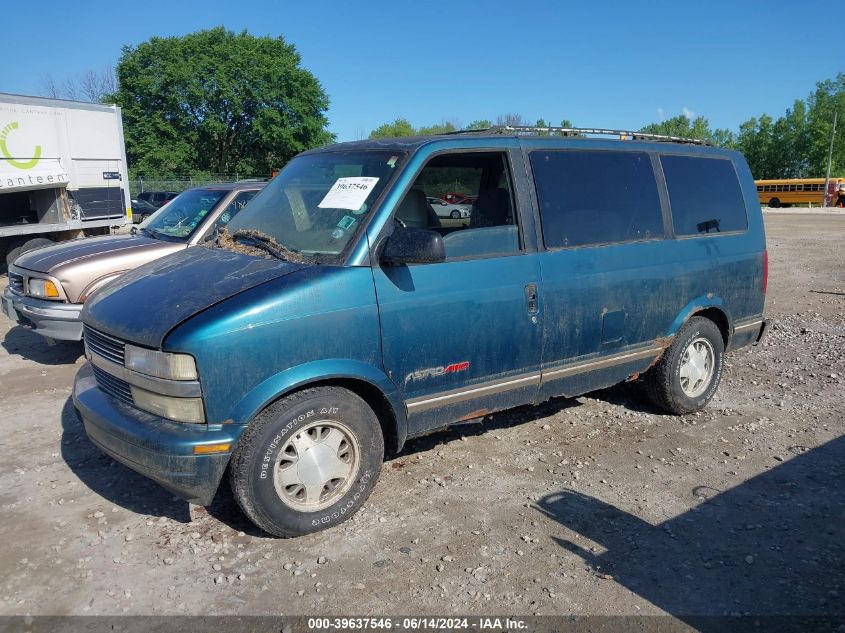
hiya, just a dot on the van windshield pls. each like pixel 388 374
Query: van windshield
pixel 317 204
pixel 178 219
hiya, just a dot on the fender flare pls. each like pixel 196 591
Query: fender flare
pixel 699 304
pixel 323 371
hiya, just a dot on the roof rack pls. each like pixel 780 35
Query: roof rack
pixel 624 135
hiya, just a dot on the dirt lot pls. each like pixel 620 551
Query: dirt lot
pixel 596 505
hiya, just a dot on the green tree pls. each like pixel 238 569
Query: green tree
pixel 681 125
pixel 754 140
pixel 399 127
pixel 217 101
pixel 479 124
pixel 722 137
pixel 827 98
pixel 698 127
pixel 437 128
pixel 542 123
pixel 403 127
pixel 796 144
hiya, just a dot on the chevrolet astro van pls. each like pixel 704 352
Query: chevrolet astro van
pixel 339 315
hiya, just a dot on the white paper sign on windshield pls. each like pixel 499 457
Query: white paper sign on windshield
pixel 348 193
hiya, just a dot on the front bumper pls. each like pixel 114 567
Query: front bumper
pixel 152 446
pixel 51 319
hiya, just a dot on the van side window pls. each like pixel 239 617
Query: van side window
pixel 596 197
pixel 704 194
pixel 466 197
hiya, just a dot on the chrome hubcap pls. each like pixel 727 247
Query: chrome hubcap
pixel 697 367
pixel 317 466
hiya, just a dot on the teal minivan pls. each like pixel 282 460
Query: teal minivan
pixel 339 315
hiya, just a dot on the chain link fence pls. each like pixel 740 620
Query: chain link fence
pixel 142 184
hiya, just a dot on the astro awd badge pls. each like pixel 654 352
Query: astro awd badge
pixel 431 372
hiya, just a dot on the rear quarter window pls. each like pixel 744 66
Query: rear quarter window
pixel 704 194
pixel 596 197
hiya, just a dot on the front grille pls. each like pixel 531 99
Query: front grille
pixel 104 345
pixel 16 282
pixel 113 386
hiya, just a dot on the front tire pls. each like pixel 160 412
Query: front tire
pixel 687 375
pixel 774 203
pixel 455 215
pixel 308 461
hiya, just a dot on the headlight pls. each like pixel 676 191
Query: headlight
pixel 179 409
pixel 160 364
pixel 43 288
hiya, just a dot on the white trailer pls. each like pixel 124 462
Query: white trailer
pixel 62 172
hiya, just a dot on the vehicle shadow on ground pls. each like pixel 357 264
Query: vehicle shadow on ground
pixel 773 545
pixel 626 395
pixel 110 479
pixel 124 487
pixel 35 347
pixel 629 395
pixel 492 422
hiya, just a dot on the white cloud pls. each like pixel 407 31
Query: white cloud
pixel 688 113
pixel 661 113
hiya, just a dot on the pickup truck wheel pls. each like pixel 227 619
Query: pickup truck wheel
pixel 308 461
pixel 688 374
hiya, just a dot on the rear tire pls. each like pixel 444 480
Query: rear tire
pixel 308 461
pixel 774 203
pixel 687 375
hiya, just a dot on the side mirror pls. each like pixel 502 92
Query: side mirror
pixel 409 245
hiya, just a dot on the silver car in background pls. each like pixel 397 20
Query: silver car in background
pixel 48 287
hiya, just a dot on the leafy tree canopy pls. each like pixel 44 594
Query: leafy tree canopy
pixel 682 125
pixel 399 127
pixel 403 127
pixel 217 101
pixel 794 145
pixel 479 124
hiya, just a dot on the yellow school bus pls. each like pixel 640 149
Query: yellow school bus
pixel 799 191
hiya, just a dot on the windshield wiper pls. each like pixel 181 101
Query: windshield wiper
pixel 262 244
pixel 262 240
pixel 252 239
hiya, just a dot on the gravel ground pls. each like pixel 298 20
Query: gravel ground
pixel 597 505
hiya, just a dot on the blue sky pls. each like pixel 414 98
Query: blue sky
pixel 599 64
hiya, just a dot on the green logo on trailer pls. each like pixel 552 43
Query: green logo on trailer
pixel 20 164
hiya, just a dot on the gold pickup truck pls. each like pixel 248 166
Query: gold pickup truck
pixel 48 286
